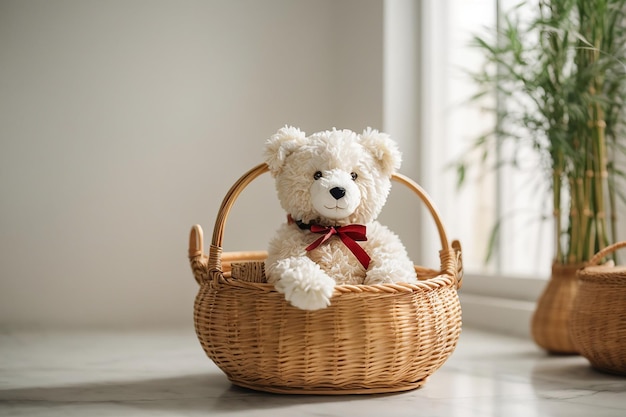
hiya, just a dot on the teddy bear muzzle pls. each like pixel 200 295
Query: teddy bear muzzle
pixel 335 196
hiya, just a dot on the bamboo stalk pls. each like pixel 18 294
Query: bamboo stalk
pixel 556 190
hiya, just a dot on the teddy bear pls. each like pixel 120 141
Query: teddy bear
pixel 332 184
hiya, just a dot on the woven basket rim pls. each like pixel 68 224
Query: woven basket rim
pixel 438 279
pixel 430 284
pixel 603 269
pixel 603 273
pixel 594 271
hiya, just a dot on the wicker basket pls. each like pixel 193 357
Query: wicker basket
pixel 550 321
pixel 371 339
pixel 598 320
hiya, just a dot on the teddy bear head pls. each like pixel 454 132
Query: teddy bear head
pixel 332 178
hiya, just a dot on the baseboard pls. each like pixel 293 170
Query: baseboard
pixel 495 314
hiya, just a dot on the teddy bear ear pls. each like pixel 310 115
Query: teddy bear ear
pixel 280 145
pixel 383 148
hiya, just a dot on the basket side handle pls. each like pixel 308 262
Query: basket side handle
pixel 210 267
pixel 450 255
pixel 606 251
pixel 215 251
pixel 197 259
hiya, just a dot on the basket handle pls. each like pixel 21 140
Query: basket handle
pixel 450 256
pixel 604 252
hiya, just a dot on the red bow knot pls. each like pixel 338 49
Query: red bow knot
pixel 348 234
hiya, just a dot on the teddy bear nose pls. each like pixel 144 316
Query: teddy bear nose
pixel 338 192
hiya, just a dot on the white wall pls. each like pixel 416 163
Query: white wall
pixel 122 123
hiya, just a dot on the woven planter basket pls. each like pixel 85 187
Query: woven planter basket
pixel 598 319
pixel 371 339
pixel 550 321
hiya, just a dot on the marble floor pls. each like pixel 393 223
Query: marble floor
pixel 165 373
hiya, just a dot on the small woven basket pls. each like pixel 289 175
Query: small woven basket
pixel 371 339
pixel 598 319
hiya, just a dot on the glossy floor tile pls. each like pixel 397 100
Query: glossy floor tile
pixel 166 374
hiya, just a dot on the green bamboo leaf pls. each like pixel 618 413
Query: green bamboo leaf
pixel 493 239
pixel 460 171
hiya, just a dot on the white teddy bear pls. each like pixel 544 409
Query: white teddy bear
pixel 333 185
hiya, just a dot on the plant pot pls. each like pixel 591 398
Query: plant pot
pixel 598 319
pixel 550 323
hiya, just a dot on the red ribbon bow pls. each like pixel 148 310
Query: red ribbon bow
pixel 348 234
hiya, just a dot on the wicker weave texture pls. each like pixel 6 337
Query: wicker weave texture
pixel 372 339
pixel 249 271
pixel 550 322
pixel 598 322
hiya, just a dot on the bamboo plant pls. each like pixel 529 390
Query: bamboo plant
pixel 560 82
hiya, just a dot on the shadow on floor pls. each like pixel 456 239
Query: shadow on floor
pixel 186 392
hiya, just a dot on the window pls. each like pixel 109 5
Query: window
pixel 514 199
pixel 500 296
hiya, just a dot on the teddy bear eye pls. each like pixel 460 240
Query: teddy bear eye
pixel 354 175
pixel 317 175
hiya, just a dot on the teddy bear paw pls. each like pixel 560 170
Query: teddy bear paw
pixel 306 287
